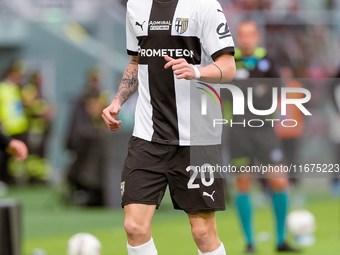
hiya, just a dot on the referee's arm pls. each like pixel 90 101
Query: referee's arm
pixel 223 70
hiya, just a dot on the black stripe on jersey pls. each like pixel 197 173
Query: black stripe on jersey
pixel 132 53
pixel 223 51
pixel 161 81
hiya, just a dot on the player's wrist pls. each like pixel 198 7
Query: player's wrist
pixel 197 73
pixel 116 102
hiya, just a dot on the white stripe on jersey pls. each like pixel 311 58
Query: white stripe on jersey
pixel 182 88
pixel 143 117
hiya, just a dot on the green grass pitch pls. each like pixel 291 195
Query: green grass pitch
pixel 48 225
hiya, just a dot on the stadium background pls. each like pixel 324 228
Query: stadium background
pixel 63 39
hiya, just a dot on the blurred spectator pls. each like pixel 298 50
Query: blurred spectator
pixel 13 119
pixel 85 139
pixel 40 115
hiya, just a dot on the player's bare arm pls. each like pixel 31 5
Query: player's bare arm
pixel 223 70
pixel 127 88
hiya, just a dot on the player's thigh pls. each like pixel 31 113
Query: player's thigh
pixel 193 188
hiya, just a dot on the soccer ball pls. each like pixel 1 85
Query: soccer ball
pixel 301 223
pixel 83 244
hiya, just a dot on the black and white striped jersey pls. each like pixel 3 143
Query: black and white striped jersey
pixel 168 110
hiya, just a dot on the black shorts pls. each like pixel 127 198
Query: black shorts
pixel 150 167
pixel 250 145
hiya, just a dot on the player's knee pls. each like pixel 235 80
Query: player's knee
pixel 200 234
pixel 134 229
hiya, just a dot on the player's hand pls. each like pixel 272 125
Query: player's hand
pixel 181 68
pixel 110 115
pixel 18 149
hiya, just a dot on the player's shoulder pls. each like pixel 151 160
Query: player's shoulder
pixel 132 2
pixel 205 4
pixel 136 3
pixel 199 6
pixel 203 7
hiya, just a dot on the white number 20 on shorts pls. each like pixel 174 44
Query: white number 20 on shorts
pixel 203 169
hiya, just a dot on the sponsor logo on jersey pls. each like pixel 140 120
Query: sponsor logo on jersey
pixel 223 30
pixel 160 25
pixel 181 25
pixel 179 53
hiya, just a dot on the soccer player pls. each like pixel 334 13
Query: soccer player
pixel 248 144
pixel 174 45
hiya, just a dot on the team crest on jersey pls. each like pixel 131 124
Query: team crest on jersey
pixel 181 25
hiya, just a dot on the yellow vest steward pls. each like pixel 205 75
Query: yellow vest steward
pixel 12 115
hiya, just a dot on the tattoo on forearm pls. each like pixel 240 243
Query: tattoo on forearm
pixel 129 83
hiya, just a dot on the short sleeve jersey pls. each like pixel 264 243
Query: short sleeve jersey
pixel 168 109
